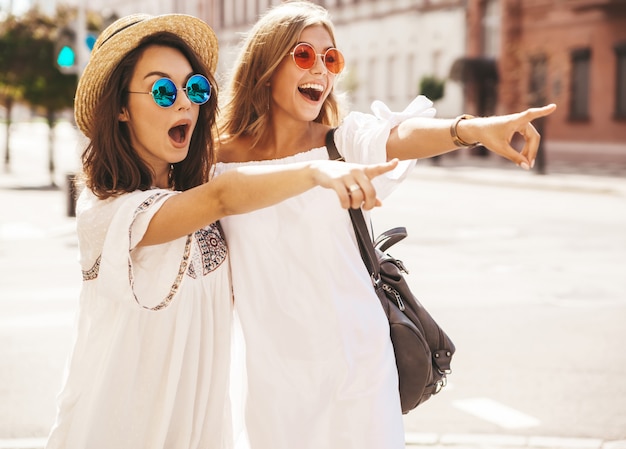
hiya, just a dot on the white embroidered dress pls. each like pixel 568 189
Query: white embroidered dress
pixel 320 365
pixel 150 363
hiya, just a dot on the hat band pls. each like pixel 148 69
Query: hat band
pixel 119 31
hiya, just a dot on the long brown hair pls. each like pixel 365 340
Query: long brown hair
pixel 245 110
pixel 111 166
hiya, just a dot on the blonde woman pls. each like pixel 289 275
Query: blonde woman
pixel 320 365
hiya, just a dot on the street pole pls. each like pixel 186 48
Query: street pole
pixel 541 162
pixel 538 86
pixel 82 56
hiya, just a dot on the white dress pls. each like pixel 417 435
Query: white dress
pixel 150 364
pixel 320 365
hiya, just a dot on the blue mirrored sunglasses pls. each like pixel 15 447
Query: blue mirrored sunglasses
pixel 164 91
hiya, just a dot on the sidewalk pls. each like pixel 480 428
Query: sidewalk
pixel 433 441
pixel 487 441
pixel 600 179
pixel 561 176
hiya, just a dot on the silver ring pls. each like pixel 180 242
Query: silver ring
pixel 354 188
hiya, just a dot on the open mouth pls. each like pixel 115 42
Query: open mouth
pixel 312 91
pixel 178 133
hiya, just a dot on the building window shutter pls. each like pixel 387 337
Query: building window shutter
pixel 579 100
pixel 620 81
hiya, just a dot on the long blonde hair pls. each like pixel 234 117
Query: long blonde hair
pixel 245 108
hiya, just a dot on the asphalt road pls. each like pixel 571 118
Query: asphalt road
pixel 528 276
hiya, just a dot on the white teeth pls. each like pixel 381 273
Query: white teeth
pixel 317 87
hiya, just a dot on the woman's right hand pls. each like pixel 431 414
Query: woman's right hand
pixel 351 182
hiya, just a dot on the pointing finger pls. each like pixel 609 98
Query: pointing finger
pixel 379 169
pixel 534 113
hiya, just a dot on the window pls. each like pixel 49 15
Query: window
pixel 372 79
pixel 579 100
pixel 390 78
pixel 538 80
pixel 491 29
pixel 412 86
pixel 620 81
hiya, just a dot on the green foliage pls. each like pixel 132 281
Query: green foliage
pixel 11 62
pixel 432 87
pixel 28 52
pixel 27 62
pixel 28 69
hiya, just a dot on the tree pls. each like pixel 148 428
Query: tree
pixel 44 86
pixel 11 64
pixel 432 87
pixel 28 70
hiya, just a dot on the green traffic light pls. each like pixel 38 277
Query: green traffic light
pixel 66 57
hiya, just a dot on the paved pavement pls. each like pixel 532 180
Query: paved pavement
pixel 28 194
pixel 560 175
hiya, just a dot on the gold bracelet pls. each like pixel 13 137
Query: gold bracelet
pixel 453 132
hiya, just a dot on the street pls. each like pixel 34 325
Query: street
pixel 526 273
pixel 530 283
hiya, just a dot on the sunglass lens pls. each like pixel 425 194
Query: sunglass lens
pixel 304 56
pixel 164 92
pixel 334 61
pixel 198 89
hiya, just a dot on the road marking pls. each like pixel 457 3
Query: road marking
pixel 496 413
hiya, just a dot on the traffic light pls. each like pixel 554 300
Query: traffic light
pixel 90 40
pixel 66 57
pixel 72 48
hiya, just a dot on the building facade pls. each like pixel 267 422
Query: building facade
pixel 389 45
pixel 496 56
pixel 568 52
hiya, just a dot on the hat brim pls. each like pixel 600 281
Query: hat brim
pixel 123 36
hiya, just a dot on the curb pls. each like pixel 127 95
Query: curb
pixel 432 440
pixel 491 441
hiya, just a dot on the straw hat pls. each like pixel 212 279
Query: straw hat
pixel 124 35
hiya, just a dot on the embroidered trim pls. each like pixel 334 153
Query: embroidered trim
pixel 146 204
pixel 92 273
pixel 213 250
pixel 181 269
pixel 179 277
